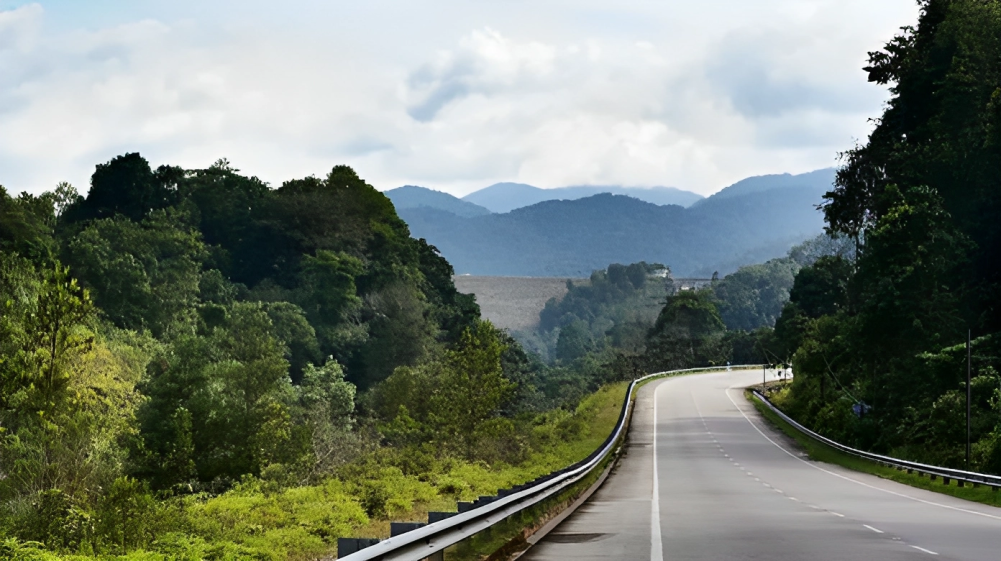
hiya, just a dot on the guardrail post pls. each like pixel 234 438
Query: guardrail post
pixel 945 481
pixel 347 546
pixel 435 516
pixel 397 528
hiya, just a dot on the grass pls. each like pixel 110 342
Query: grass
pixel 822 453
pixel 264 521
pixel 258 520
pixel 499 541
pixel 304 522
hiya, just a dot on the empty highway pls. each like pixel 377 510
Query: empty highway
pixel 704 477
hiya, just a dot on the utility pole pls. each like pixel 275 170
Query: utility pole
pixel 969 369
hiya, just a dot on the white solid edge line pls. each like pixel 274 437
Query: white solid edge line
pixel 656 545
pixel 856 481
pixel 928 551
pixel 877 530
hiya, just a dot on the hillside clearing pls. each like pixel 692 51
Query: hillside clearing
pixel 513 303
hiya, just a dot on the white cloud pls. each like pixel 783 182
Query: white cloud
pixel 486 63
pixel 449 94
pixel 19 28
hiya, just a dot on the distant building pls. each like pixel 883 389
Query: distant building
pixel 691 283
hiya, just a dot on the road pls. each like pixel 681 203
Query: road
pixel 709 479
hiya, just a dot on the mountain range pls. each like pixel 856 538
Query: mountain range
pixel 505 197
pixel 412 196
pixel 748 222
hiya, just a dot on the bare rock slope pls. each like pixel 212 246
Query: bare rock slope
pixel 513 303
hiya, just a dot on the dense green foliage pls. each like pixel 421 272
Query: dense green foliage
pixel 628 320
pixel 754 296
pixel 196 365
pixel 920 200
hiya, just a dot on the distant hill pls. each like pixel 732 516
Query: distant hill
pixel 505 197
pixel 815 180
pixel 412 196
pixel 573 238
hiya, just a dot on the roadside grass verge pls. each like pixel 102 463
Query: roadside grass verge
pixel 822 453
pixel 507 537
pixel 266 522
pixel 562 438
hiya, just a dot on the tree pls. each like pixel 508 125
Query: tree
pixel 68 394
pixel 26 226
pixel 474 386
pixel 142 275
pixel 234 383
pixel 574 342
pixel 449 400
pixel 399 332
pixel 753 296
pixel 292 328
pixel 822 289
pixel 55 334
pixel 688 332
pixel 44 330
pixel 124 186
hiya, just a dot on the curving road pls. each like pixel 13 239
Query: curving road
pixel 709 479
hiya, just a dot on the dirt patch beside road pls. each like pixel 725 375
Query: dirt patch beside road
pixel 513 303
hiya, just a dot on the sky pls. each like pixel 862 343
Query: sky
pixel 447 94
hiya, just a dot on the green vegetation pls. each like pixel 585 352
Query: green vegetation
pixel 629 320
pixel 754 296
pixel 878 340
pixel 823 453
pixel 195 365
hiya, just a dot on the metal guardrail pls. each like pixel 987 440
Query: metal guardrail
pixel 430 539
pixel 946 474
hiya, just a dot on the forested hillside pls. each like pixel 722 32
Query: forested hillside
pixel 616 313
pixel 197 365
pixel 879 343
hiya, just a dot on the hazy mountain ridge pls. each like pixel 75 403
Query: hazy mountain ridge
pixel 413 196
pixel 819 179
pixel 505 197
pixel 575 237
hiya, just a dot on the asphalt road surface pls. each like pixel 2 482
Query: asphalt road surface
pixel 709 479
